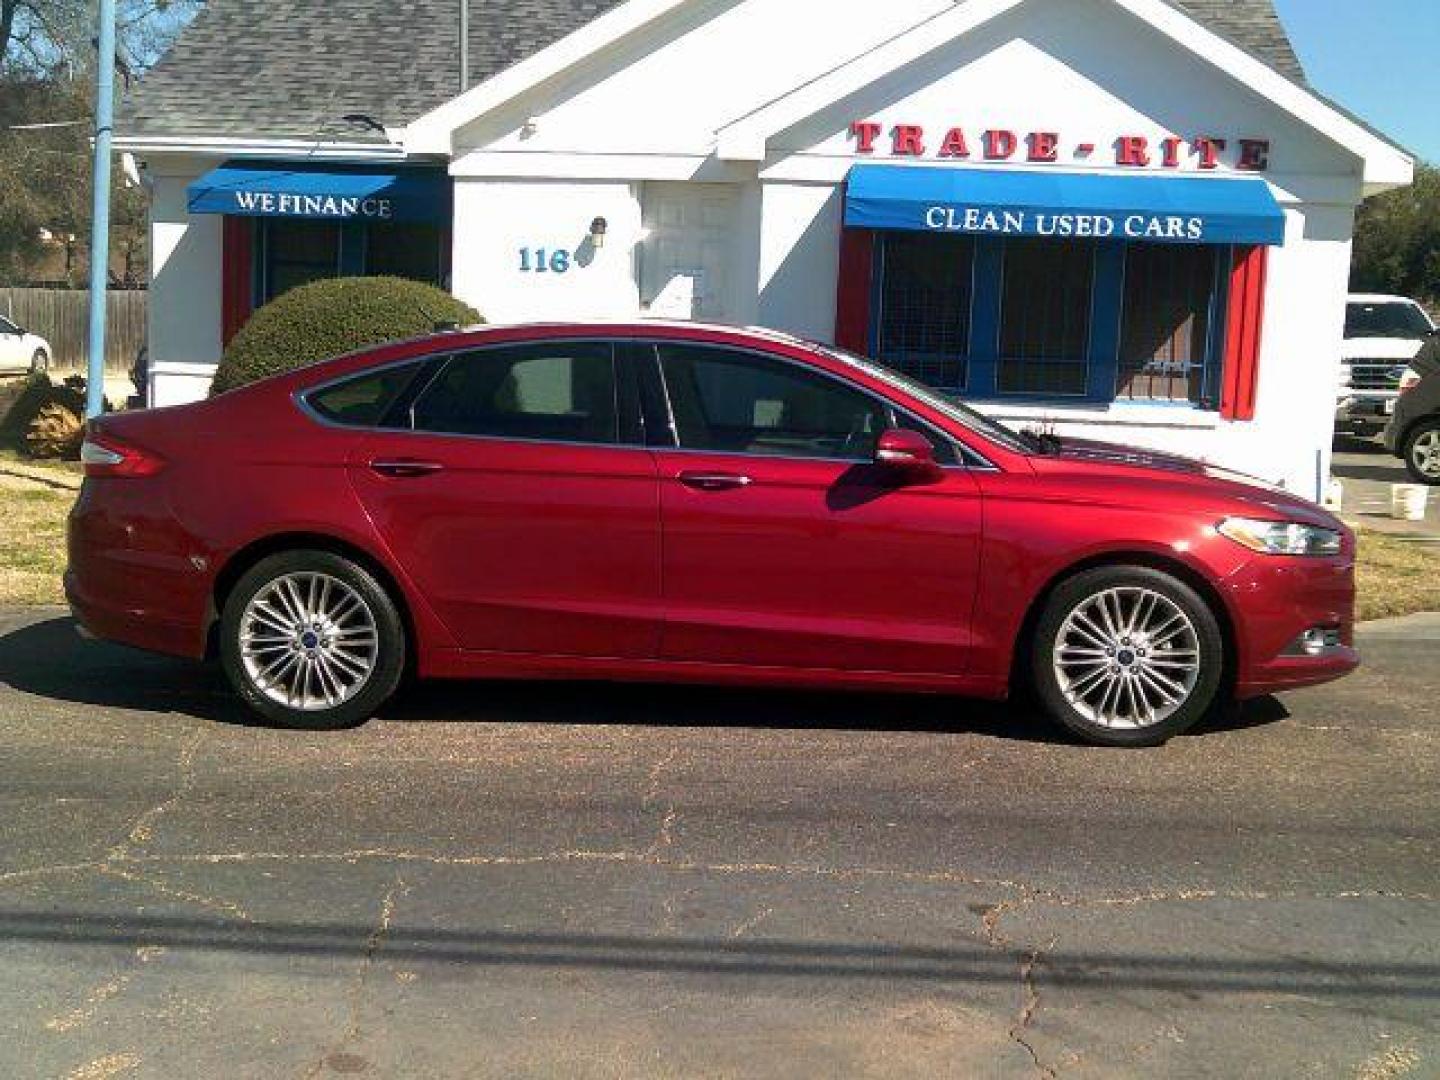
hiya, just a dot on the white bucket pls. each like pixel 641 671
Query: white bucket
pixel 1408 501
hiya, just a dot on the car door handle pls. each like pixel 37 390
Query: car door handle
pixel 405 469
pixel 714 481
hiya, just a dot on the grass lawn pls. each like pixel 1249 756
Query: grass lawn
pixel 32 541
pixel 1396 577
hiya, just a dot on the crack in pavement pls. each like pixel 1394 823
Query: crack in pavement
pixel 141 830
pixel 751 923
pixel 164 888
pixel 1030 1004
pixel 105 1067
pixel 86 1011
pixel 373 944
pixel 1026 894
pixel 664 838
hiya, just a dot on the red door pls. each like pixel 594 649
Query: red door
pixel 515 510
pixel 784 545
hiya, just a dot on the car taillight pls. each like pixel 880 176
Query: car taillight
pixel 105 455
pixel 1409 380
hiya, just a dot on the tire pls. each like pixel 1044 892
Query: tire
pixel 40 362
pixel 327 671
pixel 1079 664
pixel 1421 451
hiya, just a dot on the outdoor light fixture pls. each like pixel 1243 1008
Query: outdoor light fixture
pixel 598 228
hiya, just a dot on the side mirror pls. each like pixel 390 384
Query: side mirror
pixel 908 453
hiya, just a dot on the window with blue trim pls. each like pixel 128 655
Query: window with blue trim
pixel 1045 317
pixel 1166 338
pixel 1039 319
pixel 295 252
pixel 924 306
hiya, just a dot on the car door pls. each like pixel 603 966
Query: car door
pixel 513 488
pixel 785 544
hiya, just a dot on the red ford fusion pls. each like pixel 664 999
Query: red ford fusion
pixel 688 503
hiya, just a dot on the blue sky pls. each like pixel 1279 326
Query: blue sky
pixel 1378 58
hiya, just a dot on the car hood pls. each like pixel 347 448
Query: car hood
pixel 1209 483
pixel 1381 348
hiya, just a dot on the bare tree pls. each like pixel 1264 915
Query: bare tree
pixel 47 65
pixel 46 38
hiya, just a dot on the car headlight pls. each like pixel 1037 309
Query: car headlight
pixel 1281 537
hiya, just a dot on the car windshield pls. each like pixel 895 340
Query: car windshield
pixel 1018 441
pixel 1386 320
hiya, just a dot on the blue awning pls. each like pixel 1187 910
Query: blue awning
pixel 1169 209
pixel 323 192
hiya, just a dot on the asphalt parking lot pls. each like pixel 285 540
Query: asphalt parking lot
pixel 528 880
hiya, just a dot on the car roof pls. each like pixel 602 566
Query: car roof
pixel 1380 298
pixel 638 328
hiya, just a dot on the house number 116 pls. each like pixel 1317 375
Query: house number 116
pixel 544 261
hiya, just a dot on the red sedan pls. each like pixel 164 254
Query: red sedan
pixel 679 502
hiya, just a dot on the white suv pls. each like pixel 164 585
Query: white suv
pixel 1382 336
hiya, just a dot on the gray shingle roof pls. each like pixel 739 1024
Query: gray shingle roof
pixel 291 68
pixel 1254 25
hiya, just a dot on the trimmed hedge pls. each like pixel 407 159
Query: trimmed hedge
pixel 330 318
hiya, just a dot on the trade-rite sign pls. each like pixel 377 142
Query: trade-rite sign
pixel 1046 147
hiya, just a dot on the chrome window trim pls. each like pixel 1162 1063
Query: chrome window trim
pixel 301 397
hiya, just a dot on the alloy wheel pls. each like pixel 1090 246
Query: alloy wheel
pixel 309 641
pixel 1425 454
pixel 1127 658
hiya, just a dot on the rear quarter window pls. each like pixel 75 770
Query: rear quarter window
pixel 364 400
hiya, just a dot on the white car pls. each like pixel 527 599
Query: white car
pixel 21 351
pixel 1382 336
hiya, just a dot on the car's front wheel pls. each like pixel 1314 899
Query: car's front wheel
pixel 310 639
pixel 40 362
pixel 1127 656
pixel 1422 451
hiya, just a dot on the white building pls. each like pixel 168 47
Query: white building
pixel 1123 219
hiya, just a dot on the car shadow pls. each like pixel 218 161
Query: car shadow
pixel 48 659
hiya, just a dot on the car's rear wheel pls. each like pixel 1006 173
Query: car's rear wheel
pixel 310 639
pixel 40 362
pixel 1422 451
pixel 1127 656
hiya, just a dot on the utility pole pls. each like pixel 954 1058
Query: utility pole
pixel 464 45
pixel 100 223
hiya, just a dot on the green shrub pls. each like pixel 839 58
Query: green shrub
pixel 331 318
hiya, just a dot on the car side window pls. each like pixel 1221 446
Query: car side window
pixel 364 400
pixel 563 391
pixel 732 402
pixel 7 327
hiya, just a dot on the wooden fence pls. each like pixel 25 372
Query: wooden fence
pixel 62 317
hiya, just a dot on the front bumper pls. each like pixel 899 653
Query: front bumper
pixel 1370 412
pixel 1277 600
